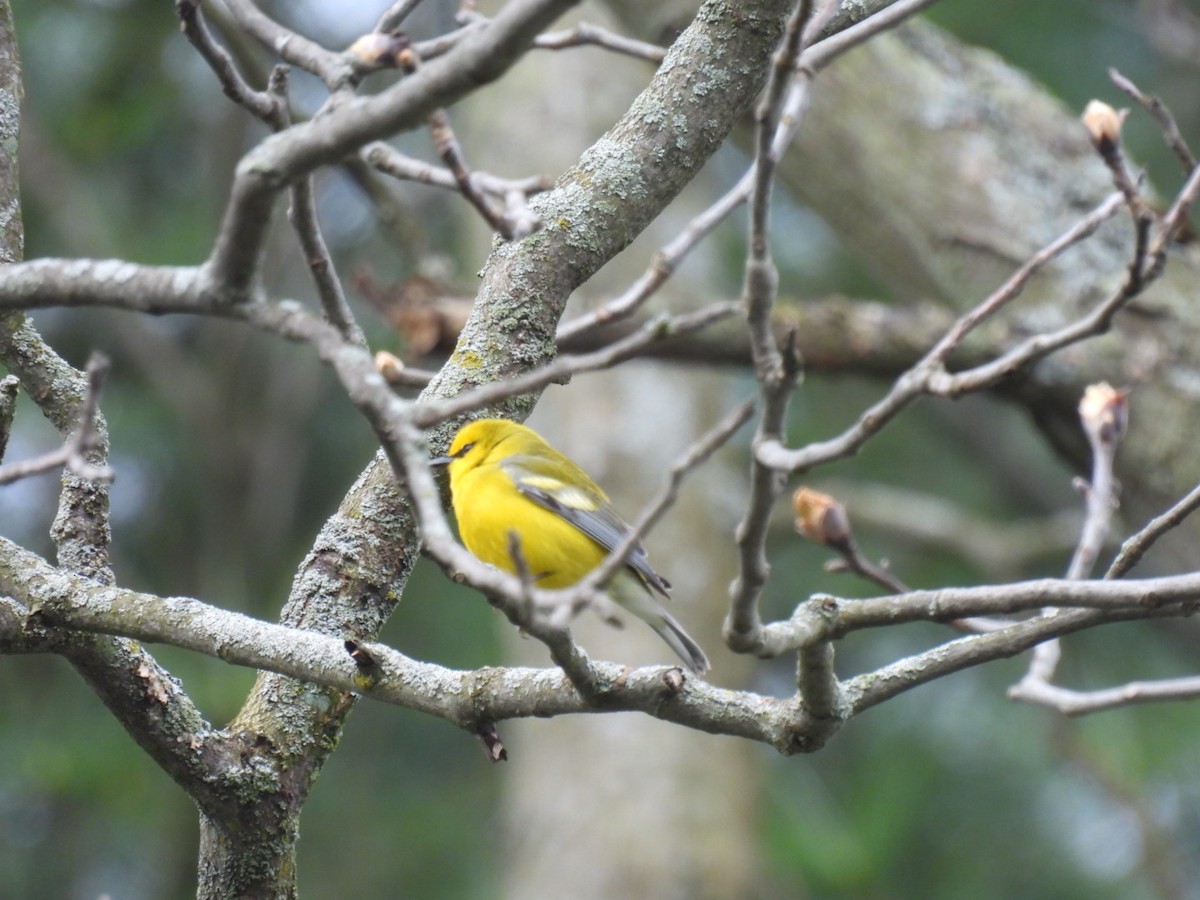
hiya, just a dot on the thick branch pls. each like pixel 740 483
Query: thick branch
pixel 464 698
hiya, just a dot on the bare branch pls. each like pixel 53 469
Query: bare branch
pixel 128 680
pixel 334 69
pixel 394 15
pixel 1103 412
pixel 1078 703
pixel 522 222
pixel 1136 546
pixel 1173 222
pixel 662 266
pixel 585 33
pixel 669 257
pixel 1015 284
pixel 514 222
pixel 693 457
pixel 429 412
pixel 86 438
pixel 846 15
pixel 464 698
pixel 264 105
pixel 389 160
pixel 864 691
pixel 929 376
pixel 777 371
pixel 481 56
pixel 889 15
pixel 1162 115
pixel 820 691
pixel 303 216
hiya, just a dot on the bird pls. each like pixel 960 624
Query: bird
pixel 506 478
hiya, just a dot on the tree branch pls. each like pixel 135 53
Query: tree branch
pixel 481 56
pixel 87 438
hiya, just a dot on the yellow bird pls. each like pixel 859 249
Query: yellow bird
pixel 505 478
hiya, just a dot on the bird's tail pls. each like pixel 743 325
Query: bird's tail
pixel 632 595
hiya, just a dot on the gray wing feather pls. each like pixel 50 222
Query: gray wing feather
pixel 601 523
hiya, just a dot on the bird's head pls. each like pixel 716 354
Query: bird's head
pixel 481 440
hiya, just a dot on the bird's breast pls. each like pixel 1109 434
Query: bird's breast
pixel 489 508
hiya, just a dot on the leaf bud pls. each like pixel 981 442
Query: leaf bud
pixel 381 51
pixel 821 518
pixel 1103 124
pixel 1104 411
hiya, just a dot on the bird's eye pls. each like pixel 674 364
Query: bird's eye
pixel 463 450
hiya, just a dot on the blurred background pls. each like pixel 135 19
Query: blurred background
pixel 232 448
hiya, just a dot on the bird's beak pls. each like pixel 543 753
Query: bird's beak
pixel 438 461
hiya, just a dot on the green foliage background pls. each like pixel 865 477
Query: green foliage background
pixel 232 449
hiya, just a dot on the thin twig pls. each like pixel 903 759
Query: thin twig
pixel 1174 220
pixel 692 458
pixel 302 213
pixel 777 370
pixel 585 33
pixel 1078 703
pixel 1137 546
pixel 865 691
pixel 582 34
pixel 389 160
pixel 1104 414
pixel 667 259
pixel 1162 115
pixel 822 53
pixel 662 266
pixel 513 222
pixel 516 220
pixel 431 412
pixel 335 69
pixel 74 452
pixel 266 170
pixel 262 104
pixel 928 375
pixel 823 518
pixel 1015 283
pixel 394 15
pixel 1147 265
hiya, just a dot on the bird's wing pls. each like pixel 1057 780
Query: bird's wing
pixel 582 504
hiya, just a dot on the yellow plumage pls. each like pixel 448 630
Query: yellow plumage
pixel 505 478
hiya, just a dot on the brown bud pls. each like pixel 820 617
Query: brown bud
pixel 1103 124
pixel 820 518
pixel 380 51
pixel 389 366
pixel 1104 411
